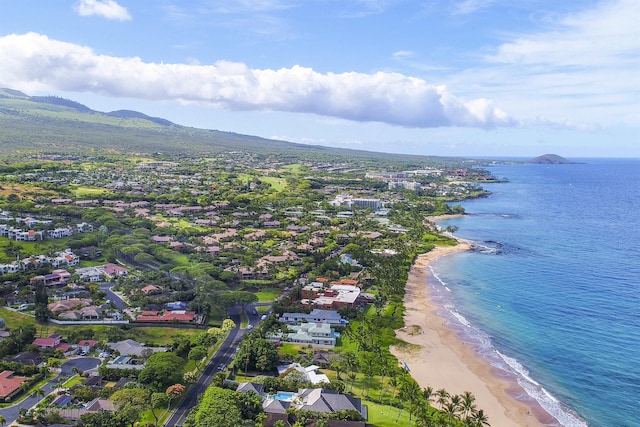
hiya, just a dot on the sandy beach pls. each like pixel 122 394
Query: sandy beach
pixel 440 359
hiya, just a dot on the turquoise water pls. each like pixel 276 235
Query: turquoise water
pixel 283 395
pixel 552 296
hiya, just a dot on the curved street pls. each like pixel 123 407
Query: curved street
pixel 11 413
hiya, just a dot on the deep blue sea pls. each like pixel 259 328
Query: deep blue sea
pixel 554 296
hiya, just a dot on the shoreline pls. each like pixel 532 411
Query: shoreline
pixel 439 358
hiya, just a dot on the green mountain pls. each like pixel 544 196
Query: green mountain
pixel 49 124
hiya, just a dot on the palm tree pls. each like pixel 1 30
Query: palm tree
pixel 427 392
pixel 467 405
pixel 451 410
pixel 443 397
pixel 456 400
pixel 481 418
pixel 37 393
pixel 3 421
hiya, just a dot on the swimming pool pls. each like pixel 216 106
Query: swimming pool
pixel 286 396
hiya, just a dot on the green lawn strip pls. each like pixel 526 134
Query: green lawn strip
pixel 244 319
pixel 263 308
pixel 76 379
pixel 268 294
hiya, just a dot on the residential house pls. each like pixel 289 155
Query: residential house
pixel 151 290
pixel 28 358
pixel 113 271
pixel 132 348
pixel 310 399
pixel 84 228
pixel 309 372
pixel 91 312
pixel 55 278
pixel 10 384
pixel 318 335
pixel 86 345
pixel 50 342
pixel 180 316
pixel 90 274
pixel 317 315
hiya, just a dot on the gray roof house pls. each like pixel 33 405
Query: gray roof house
pixel 323 400
pixel 132 348
pixel 317 315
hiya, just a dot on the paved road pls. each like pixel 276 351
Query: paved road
pixel 11 413
pixel 223 357
pixel 115 299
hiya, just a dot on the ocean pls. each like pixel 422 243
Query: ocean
pixel 551 295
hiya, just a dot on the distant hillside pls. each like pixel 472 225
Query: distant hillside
pixel 127 114
pixel 10 93
pixel 48 124
pixel 550 159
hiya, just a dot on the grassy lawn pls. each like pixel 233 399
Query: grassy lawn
pixel 76 379
pixel 294 168
pixel 16 319
pixel 287 349
pixel 29 248
pixel 268 294
pixel 84 191
pixel 385 416
pixel 278 184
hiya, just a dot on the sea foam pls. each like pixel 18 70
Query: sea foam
pixel 511 367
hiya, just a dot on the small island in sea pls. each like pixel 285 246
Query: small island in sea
pixel 551 159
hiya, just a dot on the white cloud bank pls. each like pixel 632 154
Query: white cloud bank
pixel 108 9
pixel 35 62
pixel 582 71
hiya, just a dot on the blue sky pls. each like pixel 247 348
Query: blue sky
pixel 433 77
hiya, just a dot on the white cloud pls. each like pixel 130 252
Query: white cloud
pixel 467 7
pixel 582 71
pixel 35 62
pixel 403 54
pixel 108 9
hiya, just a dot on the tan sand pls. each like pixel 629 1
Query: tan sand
pixel 440 359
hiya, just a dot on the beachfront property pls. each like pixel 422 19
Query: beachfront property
pixel 322 400
pixel 309 372
pixel 317 335
pixel 317 315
